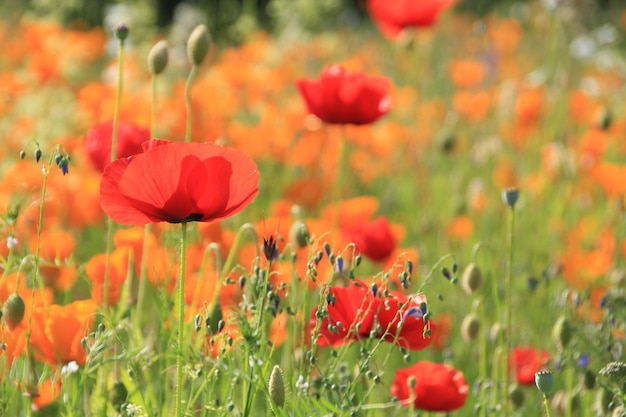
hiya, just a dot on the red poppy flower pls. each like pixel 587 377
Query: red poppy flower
pixel 374 239
pixel 354 311
pixel 401 320
pixel 527 361
pixel 438 387
pixel 98 142
pixel 393 16
pixel 339 97
pixel 178 182
pixel 350 315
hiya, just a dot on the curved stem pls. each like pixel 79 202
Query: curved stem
pixel 181 321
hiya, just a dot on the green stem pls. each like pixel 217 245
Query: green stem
pixel 181 321
pixel 508 302
pixel 546 405
pixel 116 119
pixel 153 110
pixel 188 104
pixel 248 227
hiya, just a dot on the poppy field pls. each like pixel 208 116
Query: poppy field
pixel 419 213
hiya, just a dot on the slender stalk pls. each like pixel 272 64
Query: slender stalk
pixel 181 321
pixel 248 227
pixel 508 309
pixel 188 104
pixel 546 406
pixel 116 118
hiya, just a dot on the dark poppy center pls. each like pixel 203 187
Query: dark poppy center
pixel 193 217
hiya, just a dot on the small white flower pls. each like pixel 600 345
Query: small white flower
pixel 11 242
pixel 69 369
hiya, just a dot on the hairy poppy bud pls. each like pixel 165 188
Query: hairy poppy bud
pixel 118 395
pixel 198 45
pixel 562 332
pixel 299 234
pixel 121 32
pixel 13 311
pixel 158 57
pixel 277 387
pixel 516 396
pixel 470 327
pixel 472 278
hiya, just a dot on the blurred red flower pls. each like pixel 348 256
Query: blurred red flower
pixel 393 16
pixel 526 361
pixel 374 239
pixel 339 97
pixel 354 311
pixel 178 182
pixel 98 142
pixel 438 387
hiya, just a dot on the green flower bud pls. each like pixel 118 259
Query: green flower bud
pixel 562 332
pixel 472 278
pixel 13 311
pixel 470 327
pixel 158 57
pixel 118 394
pixel 121 32
pixel 277 387
pixel 299 234
pixel 198 45
pixel 516 396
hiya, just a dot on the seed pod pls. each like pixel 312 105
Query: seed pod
pixel 472 278
pixel 198 45
pixel 13 311
pixel 277 387
pixel 544 380
pixel 158 57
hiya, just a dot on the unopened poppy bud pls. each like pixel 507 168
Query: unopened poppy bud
pixel 198 45
pixel 496 331
pixel 470 327
pixel 603 400
pixel 604 118
pixel 619 411
pixel 510 196
pixel 299 234
pixel 118 395
pixel 13 311
pixel 216 316
pixel 562 332
pixel 38 154
pixel 589 379
pixel 277 387
pixel 544 380
pixel 22 154
pixel 472 278
pixel 158 57
pixel 121 32
pixel 516 396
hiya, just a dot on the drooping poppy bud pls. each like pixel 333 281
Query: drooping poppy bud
pixel 158 57
pixel 13 311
